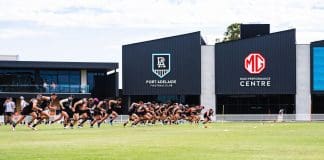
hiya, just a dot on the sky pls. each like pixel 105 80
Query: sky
pixel 95 30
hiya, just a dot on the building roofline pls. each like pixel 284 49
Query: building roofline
pixel 271 34
pixel 202 41
pixel 58 65
pixel 317 42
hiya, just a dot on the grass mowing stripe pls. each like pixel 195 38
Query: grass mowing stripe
pixel 218 141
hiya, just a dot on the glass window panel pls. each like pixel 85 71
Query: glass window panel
pixel 75 79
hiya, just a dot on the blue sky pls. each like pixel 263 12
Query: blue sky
pixel 95 30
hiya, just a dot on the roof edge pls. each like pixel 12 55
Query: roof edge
pixel 289 30
pixel 179 35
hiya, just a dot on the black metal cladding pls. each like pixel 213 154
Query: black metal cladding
pixel 279 50
pixel 106 86
pixel 185 53
pixel 253 30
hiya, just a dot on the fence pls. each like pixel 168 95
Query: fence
pixel 119 119
pixel 58 88
pixel 233 117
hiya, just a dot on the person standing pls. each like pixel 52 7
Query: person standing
pixel 9 110
pixel 23 103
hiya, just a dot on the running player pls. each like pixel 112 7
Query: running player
pixel 132 116
pixel 80 109
pixel 45 103
pixel 66 111
pixel 31 110
pixel 111 111
pixel 99 111
pixel 207 115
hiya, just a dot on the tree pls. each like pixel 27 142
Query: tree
pixel 233 32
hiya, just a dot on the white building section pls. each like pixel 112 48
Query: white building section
pixel 84 82
pixel 303 93
pixel 9 57
pixel 208 96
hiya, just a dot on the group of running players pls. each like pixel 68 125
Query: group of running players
pixel 96 112
pixel 169 113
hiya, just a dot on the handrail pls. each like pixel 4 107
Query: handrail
pixel 59 88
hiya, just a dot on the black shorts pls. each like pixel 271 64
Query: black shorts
pixel 97 112
pixel 82 111
pixel 8 113
pixel 26 111
pixel 109 111
pixel 89 113
pixel 208 118
pixel 68 111
pixel 141 113
pixel 130 113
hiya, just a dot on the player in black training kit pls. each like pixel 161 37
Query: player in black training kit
pixel 80 109
pixel 207 115
pixel 98 112
pixel 31 110
pixel 133 117
pixel 111 111
pixel 45 103
pixel 66 111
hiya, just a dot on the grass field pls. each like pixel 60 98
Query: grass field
pixel 250 141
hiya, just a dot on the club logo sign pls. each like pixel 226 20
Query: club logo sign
pixel 254 63
pixel 161 64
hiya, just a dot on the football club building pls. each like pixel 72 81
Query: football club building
pixel 167 69
pixel 260 73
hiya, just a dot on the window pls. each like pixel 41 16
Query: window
pixel 91 78
pixel 14 80
pixel 63 81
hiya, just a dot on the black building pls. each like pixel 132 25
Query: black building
pixel 167 69
pixel 256 74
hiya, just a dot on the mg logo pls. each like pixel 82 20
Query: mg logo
pixel 254 63
pixel 161 64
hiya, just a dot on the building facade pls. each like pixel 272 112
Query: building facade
pixel 167 69
pixel 261 73
pixel 81 79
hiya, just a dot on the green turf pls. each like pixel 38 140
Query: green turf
pixel 226 141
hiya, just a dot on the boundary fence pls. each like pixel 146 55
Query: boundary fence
pixel 229 117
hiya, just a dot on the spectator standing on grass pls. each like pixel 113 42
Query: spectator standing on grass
pixel 9 110
pixel 280 115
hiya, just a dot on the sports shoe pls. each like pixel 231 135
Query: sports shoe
pixel 30 126
pixel 13 127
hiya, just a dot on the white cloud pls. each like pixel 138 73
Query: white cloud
pixel 17 33
pixel 159 13
pixel 95 30
pixel 306 15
